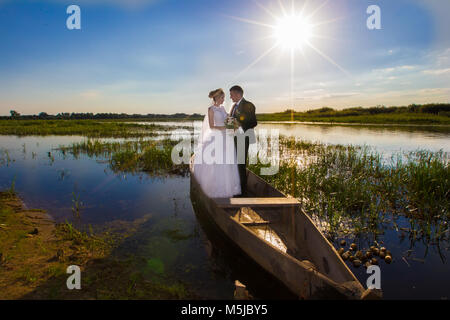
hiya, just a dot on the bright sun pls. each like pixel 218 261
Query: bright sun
pixel 292 32
pixel 293 29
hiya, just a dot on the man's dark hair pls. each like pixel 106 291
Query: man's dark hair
pixel 237 89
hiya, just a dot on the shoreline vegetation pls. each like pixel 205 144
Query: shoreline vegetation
pixel 35 253
pixel 88 128
pixel 427 114
pixel 352 192
pixel 414 114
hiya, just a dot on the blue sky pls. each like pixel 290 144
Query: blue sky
pixel 164 56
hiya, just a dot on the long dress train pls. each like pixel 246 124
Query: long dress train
pixel 215 162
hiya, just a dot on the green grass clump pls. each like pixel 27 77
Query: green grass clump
pixel 352 188
pixel 151 156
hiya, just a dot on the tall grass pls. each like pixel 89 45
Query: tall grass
pixel 153 157
pixel 354 188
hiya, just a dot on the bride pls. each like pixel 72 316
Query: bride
pixel 215 164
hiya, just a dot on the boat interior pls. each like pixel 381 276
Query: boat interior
pixel 274 217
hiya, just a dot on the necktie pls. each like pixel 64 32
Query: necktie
pixel 234 109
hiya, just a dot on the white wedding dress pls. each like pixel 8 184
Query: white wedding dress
pixel 215 164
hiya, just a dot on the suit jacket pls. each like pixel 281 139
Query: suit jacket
pixel 246 117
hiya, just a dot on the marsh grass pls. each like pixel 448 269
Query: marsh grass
pixel 12 188
pixel 150 156
pixel 89 128
pixel 76 205
pixel 354 117
pixel 354 191
pixel 5 159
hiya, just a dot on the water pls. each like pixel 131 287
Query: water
pixel 385 139
pixel 169 232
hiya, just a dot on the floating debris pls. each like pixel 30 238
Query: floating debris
pixel 356 263
pixel 388 259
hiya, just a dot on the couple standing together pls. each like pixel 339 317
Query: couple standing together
pixel 221 155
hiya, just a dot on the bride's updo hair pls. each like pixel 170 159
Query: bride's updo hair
pixel 216 93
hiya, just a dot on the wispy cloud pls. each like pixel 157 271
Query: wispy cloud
pixel 90 94
pixel 395 69
pixel 437 71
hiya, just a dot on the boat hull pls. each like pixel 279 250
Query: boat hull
pixel 322 275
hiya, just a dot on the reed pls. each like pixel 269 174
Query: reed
pixel 76 205
pixel 150 156
pixel 353 188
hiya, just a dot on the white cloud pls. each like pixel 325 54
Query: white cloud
pixel 312 95
pixel 90 94
pixel 395 69
pixel 434 91
pixel 437 71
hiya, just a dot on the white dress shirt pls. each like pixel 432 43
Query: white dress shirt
pixel 237 105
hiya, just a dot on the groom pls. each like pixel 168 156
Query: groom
pixel 244 113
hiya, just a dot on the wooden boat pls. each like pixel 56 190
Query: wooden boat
pixel 274 231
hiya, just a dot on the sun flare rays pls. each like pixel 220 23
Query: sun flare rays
pixel 292 30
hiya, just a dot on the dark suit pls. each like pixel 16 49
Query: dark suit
pixel 245 115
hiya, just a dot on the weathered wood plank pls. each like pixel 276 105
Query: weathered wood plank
pixel 255 202
pixel 256 223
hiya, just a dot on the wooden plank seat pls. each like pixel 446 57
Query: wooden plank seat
pixel 256 223
pixel 256 202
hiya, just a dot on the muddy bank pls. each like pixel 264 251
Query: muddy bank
pixel 35 253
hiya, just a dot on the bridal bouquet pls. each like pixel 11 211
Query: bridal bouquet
pixel 230 122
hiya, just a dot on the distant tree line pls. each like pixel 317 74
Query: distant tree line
pixel 78 116
pixel 432 108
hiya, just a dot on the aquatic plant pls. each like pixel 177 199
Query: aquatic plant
pixel 150 156
pixel 76 205
pixel 354 189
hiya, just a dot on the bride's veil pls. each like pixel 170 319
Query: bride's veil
pixel 203 138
